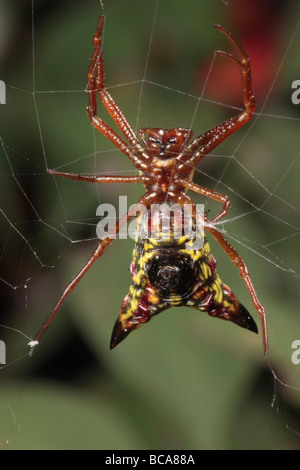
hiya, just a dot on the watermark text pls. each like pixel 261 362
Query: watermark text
pixel 2 352
pixel 296 94
pixel 159 221
pixel 296 354
pixel 2 92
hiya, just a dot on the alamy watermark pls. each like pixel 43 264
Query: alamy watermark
pixel 296 354
pixel 2 352
pixel 296 94
pixel 2 92
pixel 160 221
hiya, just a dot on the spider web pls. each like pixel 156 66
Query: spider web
pixel 183 369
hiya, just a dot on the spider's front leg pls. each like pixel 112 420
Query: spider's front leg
pixel 96 85
pixel 205 143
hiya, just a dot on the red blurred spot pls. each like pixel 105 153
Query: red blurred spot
pixel 255 25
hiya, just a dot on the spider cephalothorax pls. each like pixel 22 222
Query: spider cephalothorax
pixel 165 143
pixel 176 271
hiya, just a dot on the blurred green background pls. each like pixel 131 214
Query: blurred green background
pixel 184 381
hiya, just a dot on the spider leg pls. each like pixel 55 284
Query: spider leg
pixel 205 143
pixel 105 97
pixel 107 131
pixel 238 261
pixel 101 179
pixel 96 84
pixel 100 249
pixel 207 193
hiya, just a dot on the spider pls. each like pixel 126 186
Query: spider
pixel 171 272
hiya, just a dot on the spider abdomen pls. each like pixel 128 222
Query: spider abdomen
pixel 171 271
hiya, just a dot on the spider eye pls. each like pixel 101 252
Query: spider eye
pixel 154 140
pixel 172 140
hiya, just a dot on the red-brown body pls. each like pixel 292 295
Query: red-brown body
pixel 166 160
